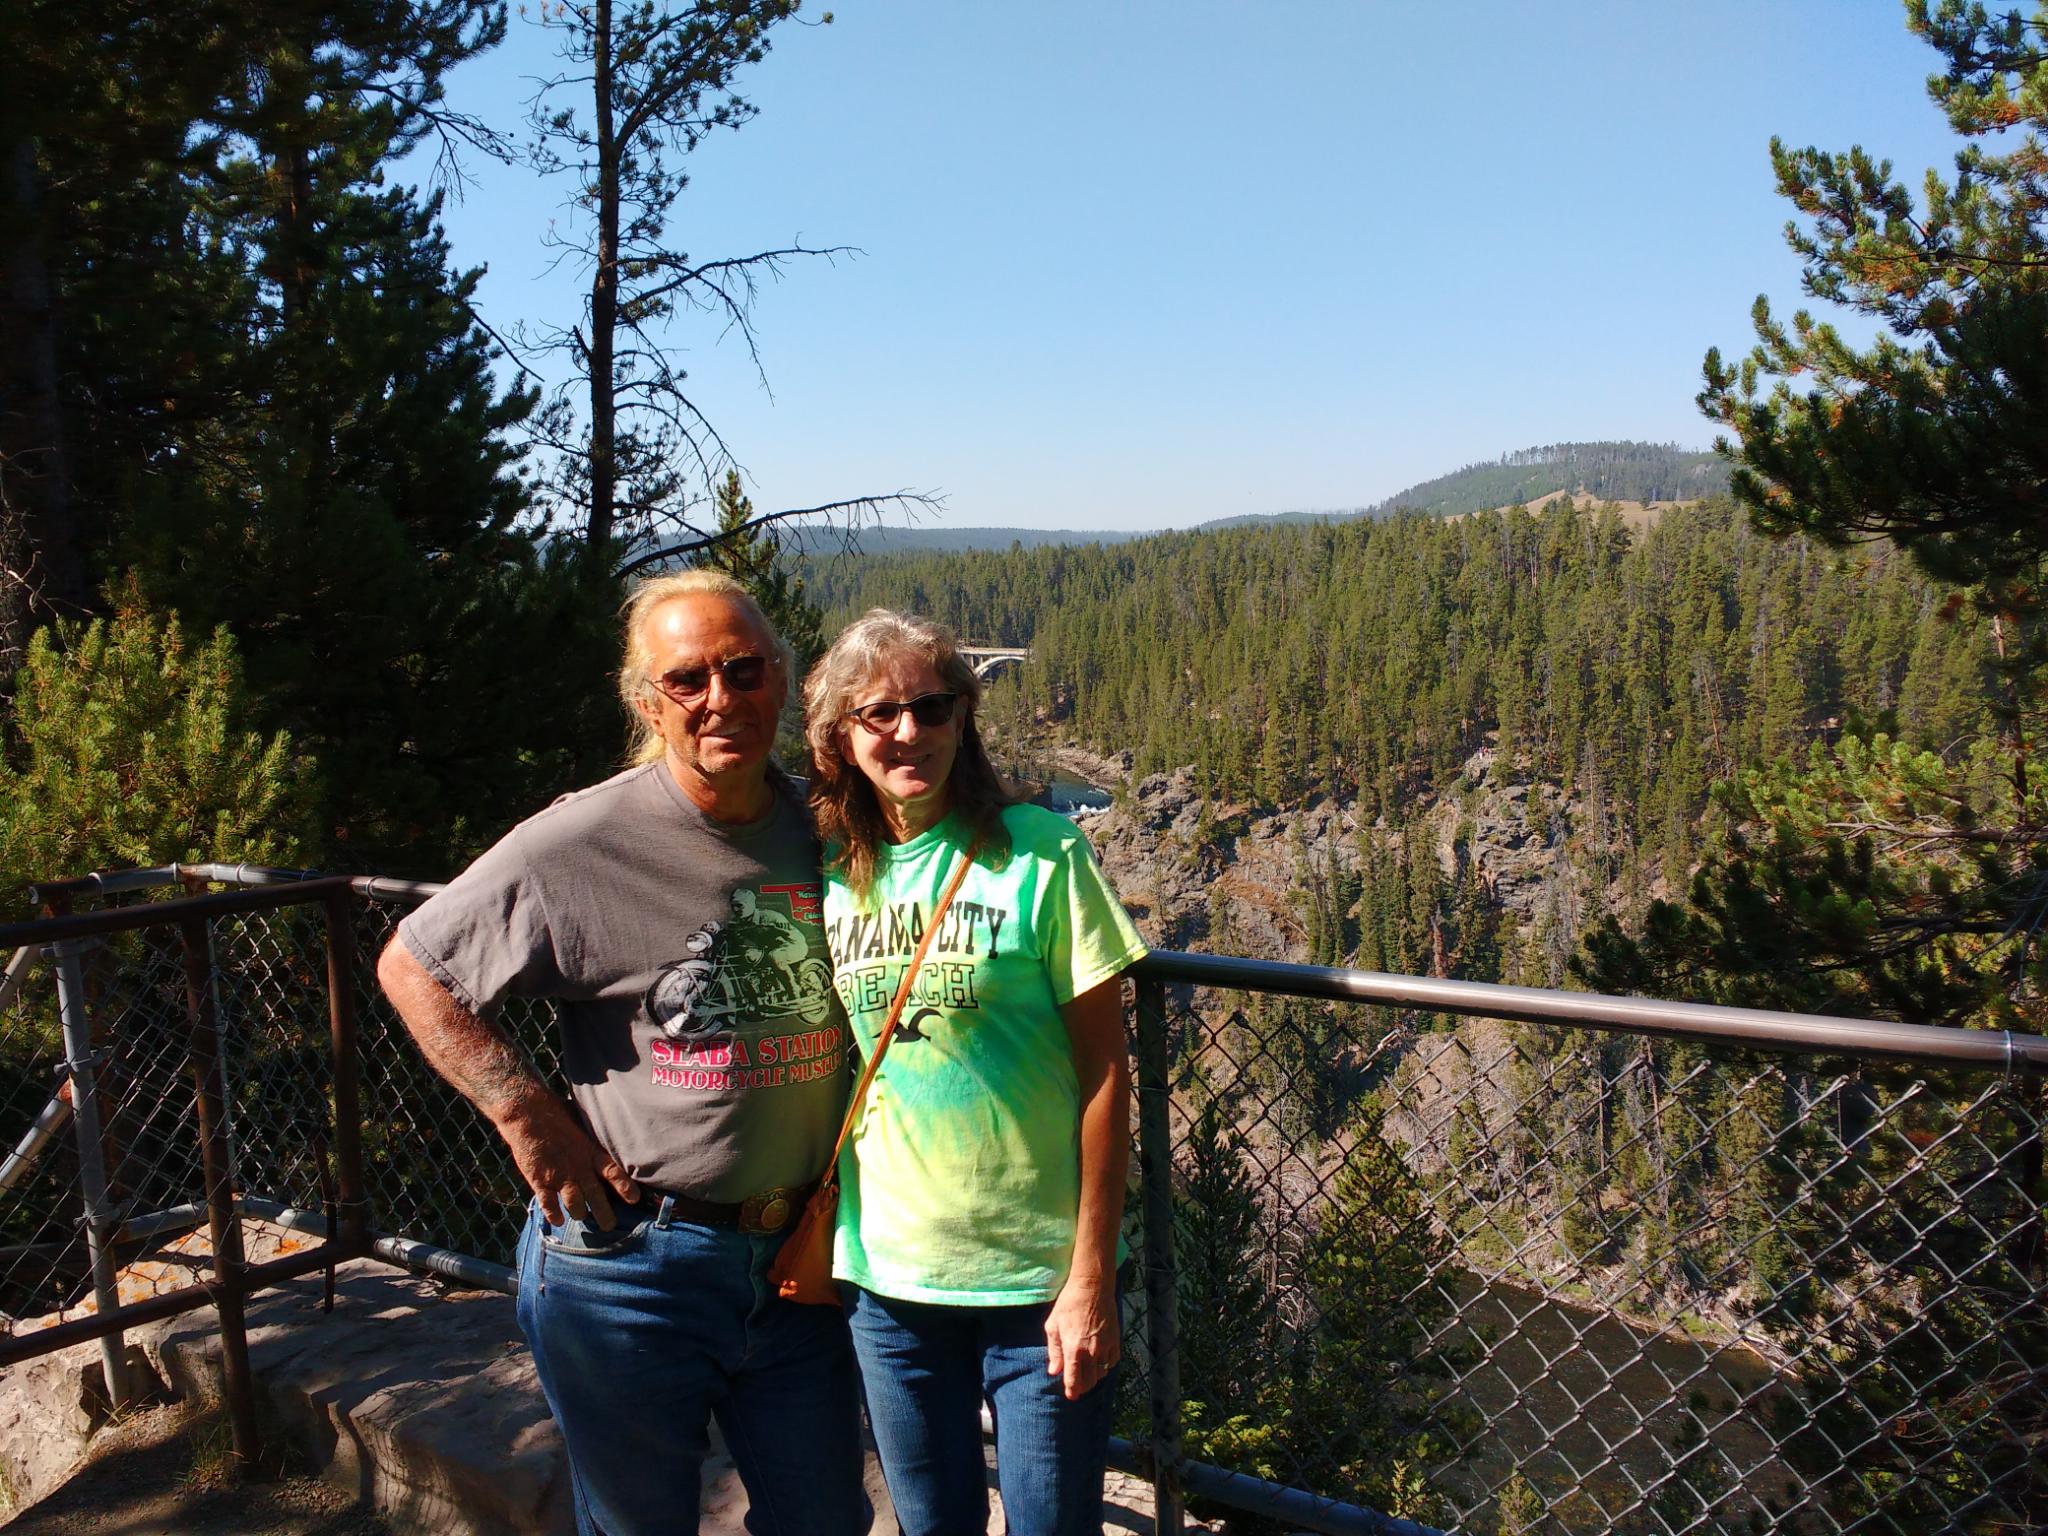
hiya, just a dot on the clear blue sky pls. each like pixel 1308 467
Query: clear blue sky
pixel 1137 264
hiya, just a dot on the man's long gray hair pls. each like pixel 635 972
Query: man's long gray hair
pixel 634 681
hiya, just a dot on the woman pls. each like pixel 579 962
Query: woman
pixel 982 1188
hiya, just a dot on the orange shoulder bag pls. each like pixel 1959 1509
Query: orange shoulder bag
pixel 802 1270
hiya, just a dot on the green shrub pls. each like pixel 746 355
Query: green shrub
pixel 126 746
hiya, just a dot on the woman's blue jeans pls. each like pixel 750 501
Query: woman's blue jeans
pixel 643 1334
pixel 926 1370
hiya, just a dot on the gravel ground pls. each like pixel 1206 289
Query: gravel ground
pixel 160 1472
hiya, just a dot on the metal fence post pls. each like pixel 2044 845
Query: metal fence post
pixel 223 1223
pixel 348 1110
pixel 82 1064
pixel 196 884
pixel 1162 1291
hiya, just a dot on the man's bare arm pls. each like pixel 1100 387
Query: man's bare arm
pixel 569 1171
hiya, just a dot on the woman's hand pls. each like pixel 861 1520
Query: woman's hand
pixel 1082 1339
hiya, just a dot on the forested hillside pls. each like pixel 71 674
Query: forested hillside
pixel 1371 659
pixel 822 539
pixel 1606 471
pixel 1613 471
pixel 1610 471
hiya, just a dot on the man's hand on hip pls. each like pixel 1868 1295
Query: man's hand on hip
pixel 570 1173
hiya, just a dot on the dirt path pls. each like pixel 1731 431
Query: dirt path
pixel 161 1472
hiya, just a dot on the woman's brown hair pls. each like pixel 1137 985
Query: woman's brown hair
pixel 842 800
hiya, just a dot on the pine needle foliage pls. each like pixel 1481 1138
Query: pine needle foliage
pixel 129 745
pixel 1873 879
pixel 1936 435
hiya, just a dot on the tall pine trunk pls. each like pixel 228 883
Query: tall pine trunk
pixel 604 295
pixel 41 567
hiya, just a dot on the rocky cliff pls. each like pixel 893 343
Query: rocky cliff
pixel 1535 847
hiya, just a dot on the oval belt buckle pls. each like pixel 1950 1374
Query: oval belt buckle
pixel 765 1212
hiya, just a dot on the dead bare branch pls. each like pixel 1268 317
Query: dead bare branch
pixel 854 509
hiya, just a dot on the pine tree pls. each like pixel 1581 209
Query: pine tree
pixel 1878 878
pixel 96 139
pixel 278 407
pixel 1936 435
pixel 751 554
pixel 1225 1314
pixel 661 79
pixel 1368 1385
pixel 129 745
pixel 1907 916
pixel 1520 1508
pixel 340 490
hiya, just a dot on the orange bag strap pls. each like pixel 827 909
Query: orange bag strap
pixel 931 928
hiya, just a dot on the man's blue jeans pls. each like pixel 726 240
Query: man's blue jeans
pixel 926 1370
pixel 642 1334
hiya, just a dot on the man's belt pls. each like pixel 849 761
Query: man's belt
pixel 770 1211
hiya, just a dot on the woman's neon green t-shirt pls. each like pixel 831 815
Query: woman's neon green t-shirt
pixel 961 1181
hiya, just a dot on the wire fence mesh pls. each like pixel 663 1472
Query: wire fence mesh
pixel 42 1244
pixel 103 1182
pixel 1510 1278
pixel 1491 1277
pixel 435 1169
pixel 60 1189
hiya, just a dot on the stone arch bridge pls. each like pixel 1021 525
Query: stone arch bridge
pixel 985 659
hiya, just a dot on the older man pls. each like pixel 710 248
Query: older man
pixel 703 1102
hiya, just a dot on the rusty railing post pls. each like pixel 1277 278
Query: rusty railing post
pixel 195 884
pixel 82 1065
pixel 348 1110
pixel 1162 1291
pixel 224 1225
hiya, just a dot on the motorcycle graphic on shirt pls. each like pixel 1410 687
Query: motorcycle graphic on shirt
pixel 757 965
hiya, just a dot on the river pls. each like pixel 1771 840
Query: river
pixel 1602 1402
pixel 1070 796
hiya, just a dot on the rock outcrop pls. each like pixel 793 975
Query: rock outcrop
pixel 1171 855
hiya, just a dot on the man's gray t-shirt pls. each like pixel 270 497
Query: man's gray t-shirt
pixel 702 1039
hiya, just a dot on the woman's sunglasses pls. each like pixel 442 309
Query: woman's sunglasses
pixel 742 674
pixel 929 710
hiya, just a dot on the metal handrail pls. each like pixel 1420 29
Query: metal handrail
pixel 1763 1029
pixel 238 876
pixel 89 925
pixel 405 1252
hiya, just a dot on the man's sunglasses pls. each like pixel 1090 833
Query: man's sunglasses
pixel 742 674
pixel 930 710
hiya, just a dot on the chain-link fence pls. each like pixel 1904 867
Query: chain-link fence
pixel 1515 1277
pixel 436 1169
pixel 145 1053
pixel 135 1065
pixel 1483 1275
